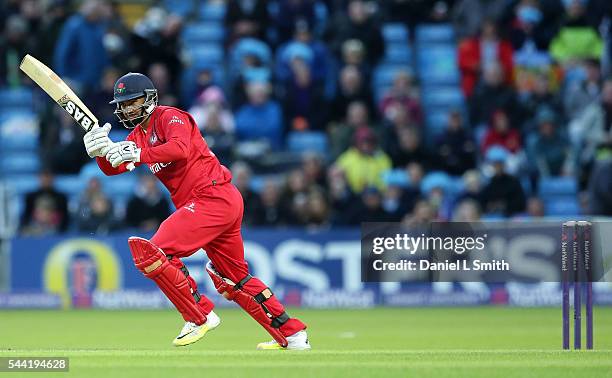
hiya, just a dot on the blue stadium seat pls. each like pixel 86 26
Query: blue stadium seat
pixel 22 183
pixel 555 186
pixel 398 54
pixel 70 184
pixel 307 141
pixel 442 96
pixel 438 65
pixel 562 206
pixel 204 32
pixel 257 183
pixel 210 11
pixel 13 99
pixel 436 123
pixel 14 143
pixel 385 73
pixel 180 7
pixel 435 33
pixel 436 179
pixel 396 177
pixel 19 163
pixel 121 186
pixel 395 32
pixel 206 55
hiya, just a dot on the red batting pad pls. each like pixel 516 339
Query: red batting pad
pixel 152 261
pixel 247 302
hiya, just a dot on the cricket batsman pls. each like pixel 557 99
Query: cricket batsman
pixel 208 216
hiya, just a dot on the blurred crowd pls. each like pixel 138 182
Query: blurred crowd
pixel 534 74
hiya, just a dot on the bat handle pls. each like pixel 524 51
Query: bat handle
pixel 130 166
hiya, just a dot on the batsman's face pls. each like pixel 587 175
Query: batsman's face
pixel 133 108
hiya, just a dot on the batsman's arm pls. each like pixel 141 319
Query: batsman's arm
pixel 108 169
pixel 176 147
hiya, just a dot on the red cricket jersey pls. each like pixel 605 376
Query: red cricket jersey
pixel 176 153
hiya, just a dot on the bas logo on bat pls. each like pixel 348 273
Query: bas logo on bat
pixel 77 113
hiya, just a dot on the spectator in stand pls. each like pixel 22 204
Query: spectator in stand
pixel 583 93
pixel 317 209
pixel 293 200
pixel 212 101
pixel 216 123
pixel 396 203
pixel 533 23
pixel 576 39
pixel 403 93
pixel 314 170
pixel 499 133
pixel 468 15
pixel 14 44
pixel 341 198
pixel 303 97
pixel 62 144
pixel 320 64
pixel 491 94
pixel 477 53
pixel 412 12
pixel 55 16
pixel 249 61
pixel 166 90
pixel 541 95
pixel 341 136
pixel 45 207
pixel 270 212
pixel 503 194
pixel 353 54
pixel 422 215
pixel 156 39
pixel 405 145
pixel 364 163
pixel 467 210
pixel 261 117
pixel 548 151
pixel 80 55
pixel 456 148
pixel 98 98
pixel 44 220
pixel 352 88
pixel 592 127
pixel 370 207
pixel 291 12
pixel 95 211
pixel 472 187
pixel 436 189
pixel 360 25
pixel 535 207
pixel 246 18
pixel 241 177
pixel 148 207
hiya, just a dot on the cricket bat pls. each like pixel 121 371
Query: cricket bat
pixel 61 93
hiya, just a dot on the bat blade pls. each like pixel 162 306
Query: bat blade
pixel 61 93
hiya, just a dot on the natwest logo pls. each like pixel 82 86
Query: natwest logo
pixel 154 168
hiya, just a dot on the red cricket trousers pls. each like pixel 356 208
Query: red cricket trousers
pixel 212 221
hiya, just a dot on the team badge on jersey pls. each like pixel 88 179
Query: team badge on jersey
pixel 153 138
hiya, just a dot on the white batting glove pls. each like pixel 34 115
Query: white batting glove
pixel 97 141
pixel 123 152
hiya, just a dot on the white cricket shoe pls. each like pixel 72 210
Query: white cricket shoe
pixel 192 332
pixel 297 341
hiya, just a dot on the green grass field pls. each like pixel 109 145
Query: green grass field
pixel 437 342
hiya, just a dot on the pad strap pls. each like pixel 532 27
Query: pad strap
pixel 185 271
pixel 279 320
